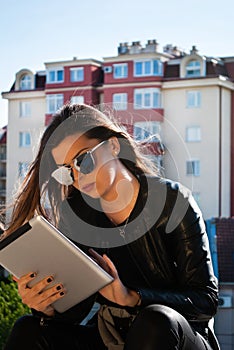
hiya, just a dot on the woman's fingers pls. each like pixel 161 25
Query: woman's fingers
pixel 104 262
pixel 43 301
pixel 42 294
pixel 99 260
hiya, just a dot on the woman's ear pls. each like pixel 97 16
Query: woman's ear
pixel 115 146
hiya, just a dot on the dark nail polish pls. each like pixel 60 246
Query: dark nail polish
pixel 62 293
pixel 49 280
pixel 58 287
pixel 32 275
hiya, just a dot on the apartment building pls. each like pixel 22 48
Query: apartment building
pixel 198 109
pixel 188 100
pixel 34 98
pixel 26 113
pixel 184 99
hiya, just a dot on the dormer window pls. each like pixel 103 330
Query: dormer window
pixel 26 82
pixel 193 69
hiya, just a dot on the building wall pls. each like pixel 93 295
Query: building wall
pixel 176 118
pixel 225 164
pixel 16 124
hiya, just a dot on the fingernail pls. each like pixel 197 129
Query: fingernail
pixel 58 287
pixel 62 293
pixel 32 275
pixel 49 279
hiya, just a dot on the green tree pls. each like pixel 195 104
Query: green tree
pixel 11 308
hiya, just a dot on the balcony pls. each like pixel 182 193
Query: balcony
pixel 2 157
pixel 2 193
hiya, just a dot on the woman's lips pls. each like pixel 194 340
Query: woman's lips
pixel 88 188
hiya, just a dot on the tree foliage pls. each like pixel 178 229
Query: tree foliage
pixel 11 308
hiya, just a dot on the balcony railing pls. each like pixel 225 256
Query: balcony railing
pixel 2 193
pixel 2 156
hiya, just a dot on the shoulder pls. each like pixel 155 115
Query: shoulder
pixel 173 203
pixel 171 188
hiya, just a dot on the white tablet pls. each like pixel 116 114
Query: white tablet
pixel 39 247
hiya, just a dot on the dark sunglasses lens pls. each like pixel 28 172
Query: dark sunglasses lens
pixel 87 164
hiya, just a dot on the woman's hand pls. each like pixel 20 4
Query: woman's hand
pixel 115 291
pixel 39 297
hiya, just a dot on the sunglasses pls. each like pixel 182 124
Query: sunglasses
pixel 85 164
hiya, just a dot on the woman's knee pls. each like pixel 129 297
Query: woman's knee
pixel 156 324
pixel 159 317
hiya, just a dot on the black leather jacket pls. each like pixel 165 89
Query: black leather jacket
pixel 166 252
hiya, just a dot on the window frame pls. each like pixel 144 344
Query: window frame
pixel 193 70
pixel 196 168
pixel 120 105
pixel 123 69
pixel 25 109
pixel 193 129
pixel 77 99
pixel 150 104
pixel 151 70
pixel 56 71
pixel 22 169
pixel 197 197
pixel 26 82
pixel 193 99
pixel 57 105
pixel 75 70
pixel 146 129
pixel 25 139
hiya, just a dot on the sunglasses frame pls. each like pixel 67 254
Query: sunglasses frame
pixel 75 160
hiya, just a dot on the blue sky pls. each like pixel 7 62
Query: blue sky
pixel 34 32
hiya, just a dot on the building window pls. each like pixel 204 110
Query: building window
pixel 193 134
pixel 26 82
pixel 77 74
pixel 193 69
pixel 145 130
pixel 193 99
pixel 197 197
pixel 25 109
pixel 24 139
pixel 54 102
pixel 193 167
pixel 22 169
pixel 147 98
pixel 120 71
pixel 54 76
pixel 77 99
pixel 120 101
pixel 147 68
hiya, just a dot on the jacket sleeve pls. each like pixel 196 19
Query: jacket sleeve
pixel 194 291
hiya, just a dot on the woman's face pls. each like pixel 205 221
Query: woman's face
pixel 102 178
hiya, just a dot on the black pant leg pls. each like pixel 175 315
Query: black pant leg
pixel 28 334
pixel 160 327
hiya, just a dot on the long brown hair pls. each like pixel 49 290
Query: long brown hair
pixel 39 188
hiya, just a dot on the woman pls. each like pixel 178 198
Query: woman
pixel 146 231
